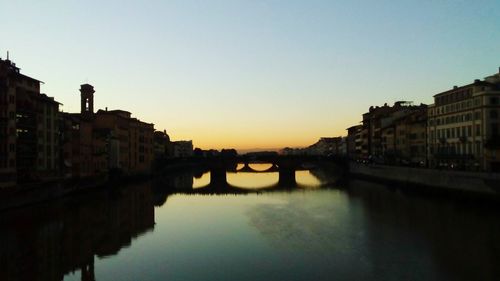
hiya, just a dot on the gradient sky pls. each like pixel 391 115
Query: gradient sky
pixel 251 74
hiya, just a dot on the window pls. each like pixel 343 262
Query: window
pixel 494 100
pixel 478 130
pixel 493 114
pixel 494 130
pixel 477 115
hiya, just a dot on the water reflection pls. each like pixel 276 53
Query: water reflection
pixel 361 231
pixel 47 241
pixel 248 179
pixel 452 240
pixel 201 181
pixel 307 179
pixel 253 180
pixel 260 166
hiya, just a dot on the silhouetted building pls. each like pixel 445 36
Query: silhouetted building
pixel 463 126
pixel 87 101
pixel 129 141
pixel 228 153
pixel 326 146
pixel 375 124
pixel 182 149
pixel 410 139
pixel 354 142
pixel 28 128
pixel 342 148
pixel 96 143
pixel 161 144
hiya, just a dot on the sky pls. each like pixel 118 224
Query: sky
pixel 251 74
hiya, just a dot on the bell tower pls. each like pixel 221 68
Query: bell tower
pixel 87 100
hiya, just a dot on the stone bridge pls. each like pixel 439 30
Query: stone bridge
pixel 286 166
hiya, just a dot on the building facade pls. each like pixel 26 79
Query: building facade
pixel 97 143
pixel 29 143
pixel 353 142
pixel 463 126
pixel 182 149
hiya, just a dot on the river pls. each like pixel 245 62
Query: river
pixel 181 227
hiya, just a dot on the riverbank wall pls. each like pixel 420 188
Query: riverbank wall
pixel 484 184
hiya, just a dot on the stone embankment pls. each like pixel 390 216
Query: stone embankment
pixel 444 180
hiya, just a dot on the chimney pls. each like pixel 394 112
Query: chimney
pixel 106 108
pixel 476 81
pixel 455 87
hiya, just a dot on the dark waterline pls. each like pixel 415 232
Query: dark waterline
pixel 356 231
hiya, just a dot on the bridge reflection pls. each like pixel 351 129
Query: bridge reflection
pixel 248 180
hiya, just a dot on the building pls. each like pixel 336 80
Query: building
pixel 29 149
pixel 378 134
pixel 95 143
pixel 325 146
pixel 161 142
pixel 403 137
pixel 410 138
pixel 463 126
pixel 353 142
pixel 127 141
pixel 182 149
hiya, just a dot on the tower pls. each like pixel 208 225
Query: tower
pixel 87 100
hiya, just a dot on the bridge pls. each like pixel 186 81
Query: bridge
pixel 285 166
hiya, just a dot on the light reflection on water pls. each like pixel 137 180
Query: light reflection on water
pixel 152 231
pixel 202 181
pixel 252 180
pixel 260 166
pixel 306 179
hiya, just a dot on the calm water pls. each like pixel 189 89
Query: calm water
pixel 182 228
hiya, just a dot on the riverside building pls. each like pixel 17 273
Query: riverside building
pixel 29 142
pixel 463 126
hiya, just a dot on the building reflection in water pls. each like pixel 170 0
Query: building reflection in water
pixel 382 232
pixel 47 241
pixel 385 234
pixel 461 237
